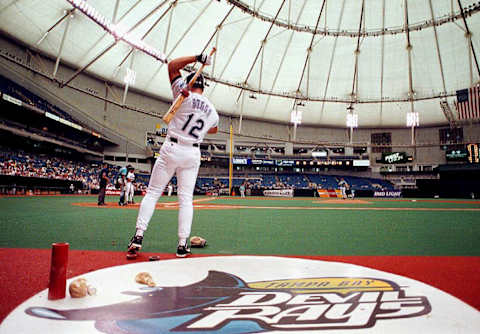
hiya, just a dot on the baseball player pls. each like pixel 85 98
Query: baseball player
pixel 343 187
pixel 170 189
pixel 122 180
pixel 130 189
pixel 180 154
pixel 242 190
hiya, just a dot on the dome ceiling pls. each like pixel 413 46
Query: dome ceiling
pixel 384 58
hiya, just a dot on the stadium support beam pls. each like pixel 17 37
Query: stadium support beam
pixel 115 11
pixel 440 63
pixel 262 44
pixel 261 66
pixel 214 62
pixel 62 43
pixel 332 57
pixel 410 76
pixel 216 35
pixel 284 55
pixel 60 20
pixel 447 111
pixel 469 35
pixel 195 20
pixel 309 52
pixel 169 26
pixel 108 48
pixel 151 29
pixel 437 46
pixel 80 70
pixel 241 114
pixel 353 94
pixel 382 68
pixel 473 8
pixel 233 53
pixel 469 50
pixel 115 21
pixel 127 82
pixel 217 30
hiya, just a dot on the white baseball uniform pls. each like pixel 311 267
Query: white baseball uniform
pixel 170 189
pixel 342 184
pixel 180 154
pixel 130 191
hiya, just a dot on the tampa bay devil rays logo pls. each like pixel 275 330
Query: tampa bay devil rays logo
pixel 224 303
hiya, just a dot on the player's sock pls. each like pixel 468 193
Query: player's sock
pixel 182 241
pixel 139 233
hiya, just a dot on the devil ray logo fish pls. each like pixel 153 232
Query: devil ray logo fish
pixel 224 303
pixel 182 303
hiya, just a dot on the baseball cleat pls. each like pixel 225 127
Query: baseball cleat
pixel 132 254
pixel 134 246
pixel 183 251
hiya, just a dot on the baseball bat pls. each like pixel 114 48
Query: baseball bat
pixel 179 100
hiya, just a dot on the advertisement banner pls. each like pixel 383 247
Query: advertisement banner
pixel 278 193
pixel 112 192
pixel 391 193
pixel 240 161
pixel 285 162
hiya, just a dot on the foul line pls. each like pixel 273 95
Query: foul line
pixel 220 206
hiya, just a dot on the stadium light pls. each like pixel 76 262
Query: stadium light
pixel 352 120
pixel 413 119
pixel 130 76
pixel 296 117
pixel 118 31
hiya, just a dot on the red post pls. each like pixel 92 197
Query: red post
pixel 58 271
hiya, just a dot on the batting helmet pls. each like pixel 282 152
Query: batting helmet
pixel 199 82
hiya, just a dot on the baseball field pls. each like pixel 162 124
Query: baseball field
pixel 433 241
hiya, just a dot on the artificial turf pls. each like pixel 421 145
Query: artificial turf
pixel 36 222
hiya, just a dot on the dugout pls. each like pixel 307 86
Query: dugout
pixel 20 185
pixel 456 181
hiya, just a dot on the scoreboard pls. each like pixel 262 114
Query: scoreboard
pixel 469 154
pixel 473 156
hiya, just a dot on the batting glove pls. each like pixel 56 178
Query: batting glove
pixel 204 59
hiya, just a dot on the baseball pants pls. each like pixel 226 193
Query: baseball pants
pixel 123 190
pixel 184 160
pixel 130 192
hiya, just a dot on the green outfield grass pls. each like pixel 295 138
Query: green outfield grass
pixel 36 222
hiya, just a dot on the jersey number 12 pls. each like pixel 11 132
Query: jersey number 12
pixel 197 126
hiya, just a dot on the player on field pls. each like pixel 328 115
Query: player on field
pixel 130 189
pixel 180 154
pixel 122 181
pixel 103 181
pixel 343 187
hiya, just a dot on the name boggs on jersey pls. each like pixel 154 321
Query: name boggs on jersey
pixel 200 104
pixel 195 116
pixel 194 101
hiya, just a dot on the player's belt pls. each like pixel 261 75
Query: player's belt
pixel 175 140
